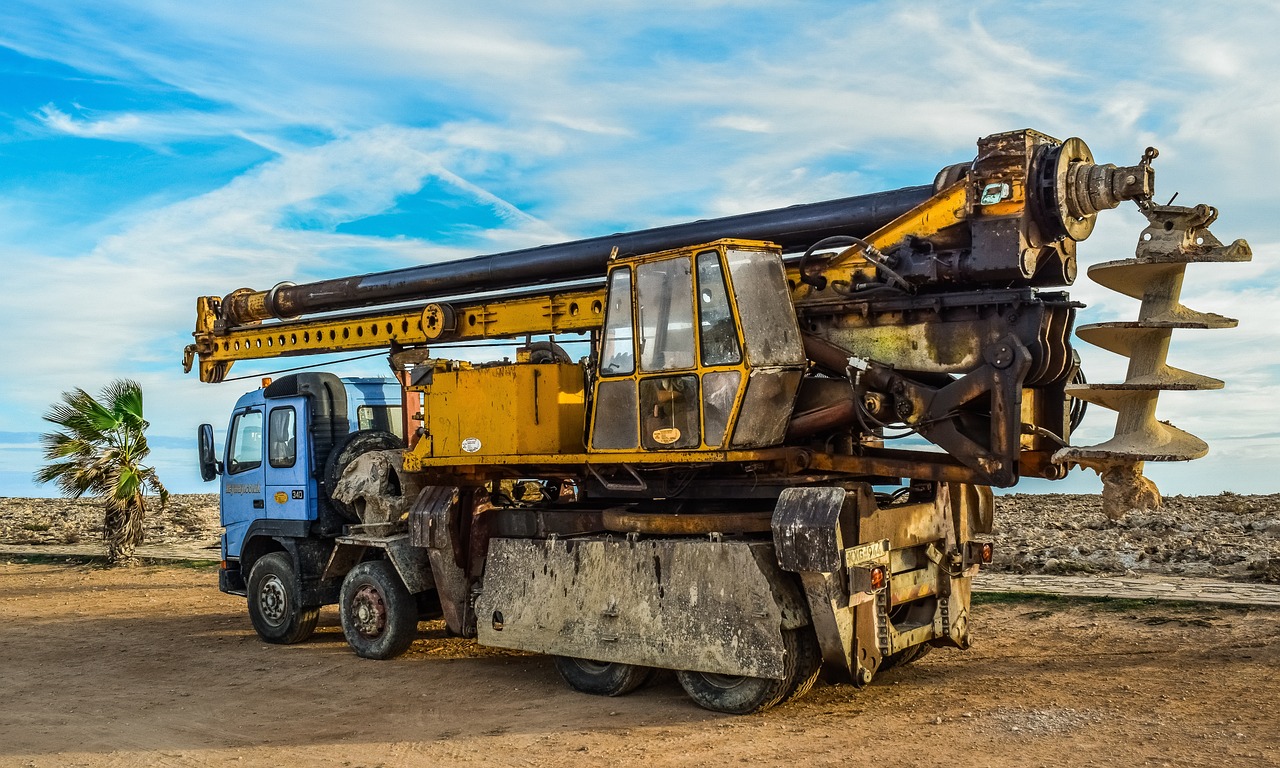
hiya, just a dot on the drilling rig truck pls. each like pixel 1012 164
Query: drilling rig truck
pixel 775 456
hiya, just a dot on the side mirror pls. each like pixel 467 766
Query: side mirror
pixel 210 467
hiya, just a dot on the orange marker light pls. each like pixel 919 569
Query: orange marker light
pixel 878 577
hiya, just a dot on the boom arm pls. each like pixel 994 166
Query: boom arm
pixel 924 299
pixel 1022 199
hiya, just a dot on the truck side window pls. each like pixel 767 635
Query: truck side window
pixel 245 451
pixel 282 437
pixel 764 309
pixel 618 356
pixel 387 418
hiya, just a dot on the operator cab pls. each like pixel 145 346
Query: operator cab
pixel 701 351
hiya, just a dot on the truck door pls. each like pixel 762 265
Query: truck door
pixel 287 466
pixel 242 482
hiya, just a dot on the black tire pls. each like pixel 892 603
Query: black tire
pixel 347 450
pixel 601 678
pixel 905 657
pixel 275 601
pixel 740 695
pixel 379 616
pixel 808 664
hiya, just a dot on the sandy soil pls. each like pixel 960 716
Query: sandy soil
pixel 153 666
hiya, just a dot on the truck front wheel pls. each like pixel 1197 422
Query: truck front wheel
pixel 379 616
pixel 275 601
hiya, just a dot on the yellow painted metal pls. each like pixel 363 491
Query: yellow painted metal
pixel 792 459
pixel 571 312
pixel 943 210
pixel 504 410
pixel 575 312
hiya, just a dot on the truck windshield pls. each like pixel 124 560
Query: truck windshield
pixel 245 451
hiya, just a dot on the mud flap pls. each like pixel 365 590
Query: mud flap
pixel 810 529
pixel 699 605
pixel 434 520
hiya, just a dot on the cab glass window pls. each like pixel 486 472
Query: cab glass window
pixel 245 451
pixel 715 321
pixel 764 308
pixel 618 356
pixel 385 418
pixel 669 412
pixel 282 437
pixel 664 293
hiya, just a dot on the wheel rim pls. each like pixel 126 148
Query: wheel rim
pixel 273 601
pixel 369 612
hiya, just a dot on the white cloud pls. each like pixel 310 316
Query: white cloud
pixel 569 119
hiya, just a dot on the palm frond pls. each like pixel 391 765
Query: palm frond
pixel 123 398
pixel 99 451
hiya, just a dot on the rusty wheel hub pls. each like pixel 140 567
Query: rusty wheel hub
pixel 369 612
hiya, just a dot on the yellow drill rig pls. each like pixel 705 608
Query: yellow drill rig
pixel 776 456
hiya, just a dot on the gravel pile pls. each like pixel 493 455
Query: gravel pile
pixel 188 519
pixel 1226 536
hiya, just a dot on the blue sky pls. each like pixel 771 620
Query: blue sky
pixel 152 152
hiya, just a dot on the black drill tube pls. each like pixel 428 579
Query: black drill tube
pixel 793 228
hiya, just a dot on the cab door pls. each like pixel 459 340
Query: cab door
pixel 287 464
pixel 242 480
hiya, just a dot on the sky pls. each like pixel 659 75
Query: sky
pixel 152 152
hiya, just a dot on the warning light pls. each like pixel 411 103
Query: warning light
pixel 879 576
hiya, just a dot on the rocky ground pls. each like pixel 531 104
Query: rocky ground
pixel 1226 536
pixel 188 519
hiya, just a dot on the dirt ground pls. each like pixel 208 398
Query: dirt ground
pixel 153 666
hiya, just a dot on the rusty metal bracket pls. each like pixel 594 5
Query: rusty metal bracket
pixel 934 412
pixel 1175 237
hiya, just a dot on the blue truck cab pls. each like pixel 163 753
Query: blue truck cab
pixel 273 483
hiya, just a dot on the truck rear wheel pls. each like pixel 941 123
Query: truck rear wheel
pixel 741 695
pixel 602 678
pixel 275 601
pixel 379 616
pixel 808 663
pixel 903 658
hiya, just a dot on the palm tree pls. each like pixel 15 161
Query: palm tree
pixel 99 452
